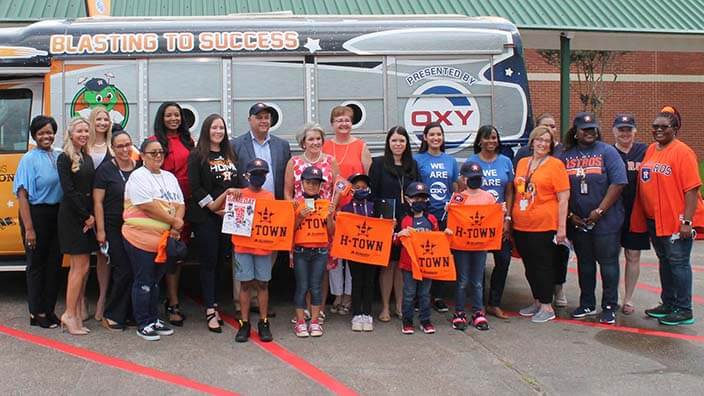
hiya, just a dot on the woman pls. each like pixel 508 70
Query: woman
pixel 213 175
pixel 100 135
pixel 668 204
pixel 390 175
pixel 77 237
pixel 153 206
pixel 108 199
pixel 353 157
pixel 542 190
pixel 171 131
pixel 547 120
pixel 498 180
pixel 38 192
pixel 631 152
pixel 597 177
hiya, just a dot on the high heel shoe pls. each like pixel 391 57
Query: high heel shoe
pixel 174 310
pixel 69 324
pixel 208 318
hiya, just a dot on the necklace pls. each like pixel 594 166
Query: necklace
pixel 334 149
pixel 100 144
pixel 320 154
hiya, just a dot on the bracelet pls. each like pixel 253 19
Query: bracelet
pixel 508 218
pixel 686 222
pixel 599 211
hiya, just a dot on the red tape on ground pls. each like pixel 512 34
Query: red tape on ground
pixel 111 361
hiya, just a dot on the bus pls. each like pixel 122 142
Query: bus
pixel 391 70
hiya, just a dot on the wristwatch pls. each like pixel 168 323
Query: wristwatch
pixel 508 218
pixel 686 222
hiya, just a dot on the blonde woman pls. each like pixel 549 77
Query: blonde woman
pixel 99 149
pixel 77 237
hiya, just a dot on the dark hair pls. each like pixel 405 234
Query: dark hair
pixel 570 138
pixel 40 122
pixel 673 115
pixel 409 164
pixel 160 128
pixel 118 133
pixel 424 144
pixel 483 133
pixel 203 147
pixel 146 142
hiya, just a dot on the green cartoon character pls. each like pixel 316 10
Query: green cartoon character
pixel 100 92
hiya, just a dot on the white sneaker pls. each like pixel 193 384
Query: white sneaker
pixel 315 330
pixel 358 323
pixel 301 330
pixel 368 324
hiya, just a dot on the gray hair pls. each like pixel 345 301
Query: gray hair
pixel 310 127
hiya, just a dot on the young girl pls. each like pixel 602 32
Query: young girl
pixel 470 264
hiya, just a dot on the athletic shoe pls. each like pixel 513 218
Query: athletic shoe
pixel 608 315
pixel 479 321
pixel 677 317
pixel 306 315
pixel 264 330
pixel 368 323
pixel 529 310
pixel 658 312
pixel 459 321
pixel 427 327
pixel 162 329
pixel 560 299
pixel 315 329
pixel 440 305
pixel 407 328
pixel 583 312
pixel 358 323
pixel 148 333
pixel 301 330
pixel 243 332
pixel 321 317
pixel 543 316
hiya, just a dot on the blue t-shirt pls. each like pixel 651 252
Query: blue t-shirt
pixel 600 166
pixel 37 174
pixel 497 175
pixel 438 172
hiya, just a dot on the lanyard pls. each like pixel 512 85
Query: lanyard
pixel 529 174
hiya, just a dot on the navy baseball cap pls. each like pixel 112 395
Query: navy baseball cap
pixel 312 173
pixel 416 188
pixel 471 170
pixel 624 120
pixel 353 179
pixel 258 108
pixel 585 120
pixel 257 164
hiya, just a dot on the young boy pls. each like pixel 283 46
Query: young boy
pixel 363 275
pixel 417 196
pixel 310 257
pixel 470 264
pixel 253 266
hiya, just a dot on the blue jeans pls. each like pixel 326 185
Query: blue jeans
pixel 415 288
pixel 497 283
pixel 590 249
pixel 675 269
pixel 309 267
pixel 145 287
pixel 470 273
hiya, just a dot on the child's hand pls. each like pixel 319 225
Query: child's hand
pixel 405 232
pixel 449 232
pixel 332 263
pixel 305 212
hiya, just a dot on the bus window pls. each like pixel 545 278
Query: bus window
pixel 15 107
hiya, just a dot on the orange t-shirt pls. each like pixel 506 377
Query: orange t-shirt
pixel 318 224
pixel 664 176
pixel 538 197
pixel 479 198
pixel 348 156
pixel 262 194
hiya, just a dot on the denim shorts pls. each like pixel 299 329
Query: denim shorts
pixel 249 267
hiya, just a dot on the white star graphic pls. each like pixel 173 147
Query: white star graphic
pixel 312 45
pixel 508 71
pixel 10 204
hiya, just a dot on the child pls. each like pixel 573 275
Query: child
pixel 253 266
pixel 363 275
pixel 417 196
pixel 310 258
pixel 470 264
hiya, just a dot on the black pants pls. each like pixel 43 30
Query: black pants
pixel 119 302
pixel 363 279
pixel 44 261
pixel 538 253
pixel 562 256
pixel 213 246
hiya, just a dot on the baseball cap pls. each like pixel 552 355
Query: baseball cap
pixel 416 188
pixel 312 173
pixel 624 120
pixel 471 170
pixel 258 108
pixel 257 164
pixel 585 120
pixel 353 179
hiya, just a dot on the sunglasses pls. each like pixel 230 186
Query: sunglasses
pixel 659 127
pixel 156 153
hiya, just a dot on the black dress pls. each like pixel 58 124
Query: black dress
pixel 76 206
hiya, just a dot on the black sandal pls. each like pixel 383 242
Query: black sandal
pixel 217 312
pixel 208 318
pixel 174 310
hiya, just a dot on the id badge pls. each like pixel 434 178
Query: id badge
pixel 523 204
pixel 583 187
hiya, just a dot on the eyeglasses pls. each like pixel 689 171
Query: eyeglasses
pixel 551 126
pixel 541 140
pixel 156 153
pixel 659 127
pixel 123 146
pixel 341 120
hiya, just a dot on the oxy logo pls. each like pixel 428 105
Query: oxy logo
pixel 446 102
pixel 438 190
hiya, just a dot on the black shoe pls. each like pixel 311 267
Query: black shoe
pixel 130 322
pixel 658 312
pixel 243 332
pixel 54 319
pixel 174 310
pixel 440 305
pixel 677 317
pixel 42 321
pixel 264 330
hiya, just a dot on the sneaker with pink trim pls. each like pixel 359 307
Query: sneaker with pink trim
pixel 427 327
pixel 315 329
pixel 479 321
pixel 301 329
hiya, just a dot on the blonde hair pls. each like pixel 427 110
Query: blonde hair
pixel 341 110
pixel 92 117
pixel 70 149
pixel 540 131
pixel 310 127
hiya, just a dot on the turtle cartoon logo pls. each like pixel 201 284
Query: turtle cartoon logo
pixel 98 91
pixel 446 102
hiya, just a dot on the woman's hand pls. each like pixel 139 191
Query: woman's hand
pixel 577 221
pixel 175 234
pixel 507 230
pixel 561 235
pixel 686 231
pixel 177 224
pixel 30 237
pixel 594 216
pixel 88 224
pixel 100 236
